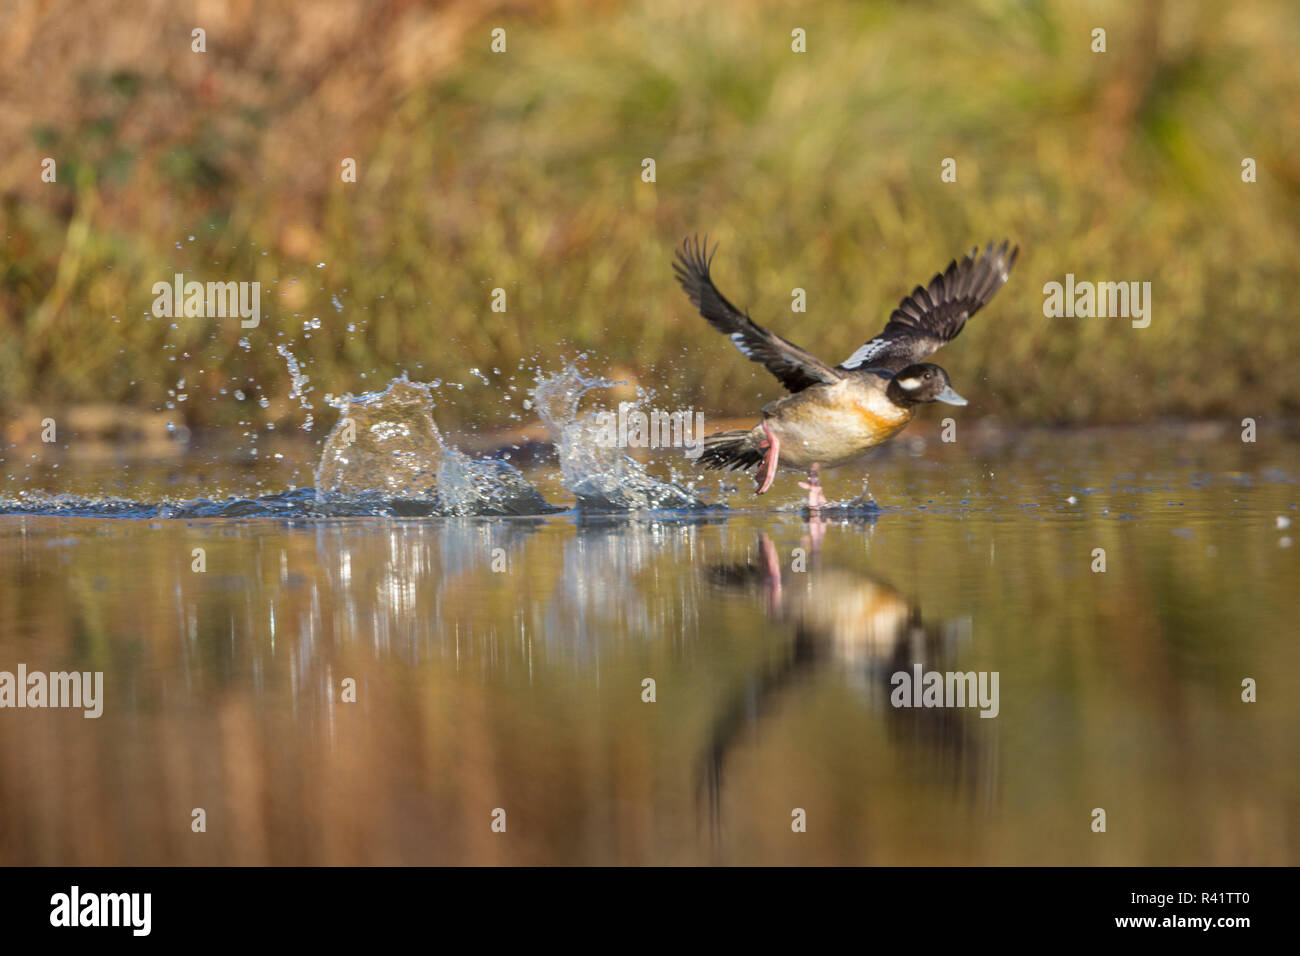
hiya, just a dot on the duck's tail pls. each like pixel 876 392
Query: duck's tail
pixel 735 451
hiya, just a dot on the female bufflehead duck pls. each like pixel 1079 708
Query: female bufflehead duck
pixel 836 415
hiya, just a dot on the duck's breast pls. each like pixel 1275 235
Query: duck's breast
pixel 835 425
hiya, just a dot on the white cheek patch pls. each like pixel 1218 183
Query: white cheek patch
pixel 910 384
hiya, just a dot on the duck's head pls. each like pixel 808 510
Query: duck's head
pixel 922 382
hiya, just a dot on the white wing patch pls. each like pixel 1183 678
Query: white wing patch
pixel 866 352
pixel 738 340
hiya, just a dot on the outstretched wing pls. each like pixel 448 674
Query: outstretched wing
pixel 933 315
pixel 795 368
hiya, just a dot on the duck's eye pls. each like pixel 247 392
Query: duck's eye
pixel 928 376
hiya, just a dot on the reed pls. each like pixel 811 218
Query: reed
pixel 522 171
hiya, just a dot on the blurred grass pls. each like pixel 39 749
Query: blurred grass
pixel 523 171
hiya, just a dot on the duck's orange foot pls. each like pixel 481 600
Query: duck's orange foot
pixel 772 563
pixel 813 485
pixel 767 470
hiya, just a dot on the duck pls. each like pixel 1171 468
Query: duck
pixel 844 620
pixel 835 414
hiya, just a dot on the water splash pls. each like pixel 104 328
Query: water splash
pixel 385 458
pixel 383 441
pixel 296 503
pixel 387 443
pixel 485 486
pixel 298 385
pixel 598 474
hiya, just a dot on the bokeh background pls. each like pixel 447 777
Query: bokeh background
pixel 522 171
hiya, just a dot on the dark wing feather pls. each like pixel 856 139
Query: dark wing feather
pixel 932 316
pixel 795 368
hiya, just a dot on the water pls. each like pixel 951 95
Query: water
pixel 499 660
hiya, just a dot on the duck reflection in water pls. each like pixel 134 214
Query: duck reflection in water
pixel 856 625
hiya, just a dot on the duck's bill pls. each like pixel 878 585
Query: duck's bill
pixel 949 396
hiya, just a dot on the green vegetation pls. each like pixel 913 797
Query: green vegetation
pixel 522 171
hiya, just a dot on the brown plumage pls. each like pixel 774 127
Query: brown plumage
pixel 835 415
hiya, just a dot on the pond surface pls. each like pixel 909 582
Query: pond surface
pixel 500 663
